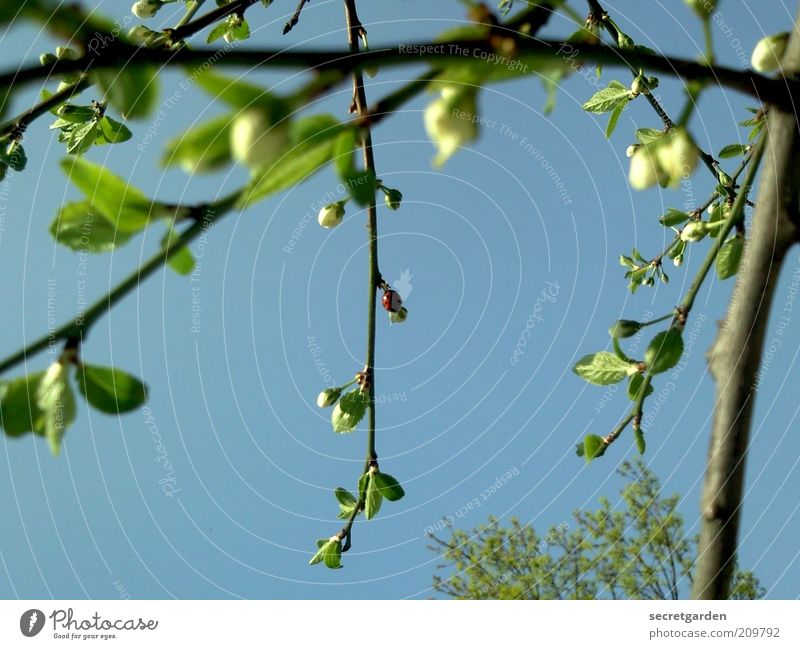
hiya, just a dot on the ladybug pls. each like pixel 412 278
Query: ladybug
pixel 392 301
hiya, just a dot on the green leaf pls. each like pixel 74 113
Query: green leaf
pixel 362 486
pixel 374 497
pixel 343 153
pixel 361 185
pixel 16 160
pixel 320 554
pixel 609 98
pixel 389 487
pixel 603 368
pixel 638 436
pixel 673 217
pixel 593 446
pixel 132 90
pixel 349 411
pixel 648 135
pixel 56 402
pixel 112 132
pixel 218 32
pixel 80 138
pixel 730 256
pixel 332 555
pixel 19 409
pixel 733 151
pixel 635 382
pixel 313 147
pixel 204 147
pixel 612 121
pixel 347 502
pixel 182 261
pixel 664 351
pixel 239 94
pixel 78 228
pixel 110 390
pixel 109 195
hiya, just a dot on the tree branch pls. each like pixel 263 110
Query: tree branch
pixel 735 357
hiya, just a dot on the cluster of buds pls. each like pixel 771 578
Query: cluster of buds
pixel 666 161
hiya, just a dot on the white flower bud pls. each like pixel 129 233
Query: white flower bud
pixel 643 172
pixel 255 138
pixel 633 148
pixel 328 397
pixel 331 215
pixel 703 8
pixel 146 8
pixel 678 261
pixel 677 156
pixel 450 121
pixel 768 52
pixel 694 231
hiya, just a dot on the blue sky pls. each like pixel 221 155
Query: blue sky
pixel 231 428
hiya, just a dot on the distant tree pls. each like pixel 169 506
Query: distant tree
pixel 637 551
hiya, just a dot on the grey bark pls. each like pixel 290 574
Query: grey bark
pixel 736 355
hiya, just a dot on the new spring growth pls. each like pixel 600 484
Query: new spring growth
pixel 703 8
pixel 146 8
pixel 642 85
pixel 328 397
pixel 768 52
pixel 331 215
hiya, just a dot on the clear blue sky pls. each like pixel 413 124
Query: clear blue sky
pixel 254 461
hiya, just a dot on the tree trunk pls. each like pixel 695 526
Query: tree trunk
pixel 735 357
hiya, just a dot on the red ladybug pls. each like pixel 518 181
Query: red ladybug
pixel 392 301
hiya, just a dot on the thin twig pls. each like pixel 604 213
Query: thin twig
pixel 295 16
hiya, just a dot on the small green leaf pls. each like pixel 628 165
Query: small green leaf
pixel 80 138
pixel 239 94
pixel 603 368
pixel 332 555
pixel 112 132
pixel 56 402
pixel 635 382
pixel 664 351
pixel 320 553
pixel 19 409
pixel 363 481
pixel 204 147
pixel 109 195
pixel 349 410
pixel 648 135
pixel 110 390
pixel 733 151
pixel 16 159
pixel 374 497
pixel 389 487
pixel 347 502
pixel 343 153
pixel 361 185
pixel 624 329
pixel 593 446
pixel 218 32
pixel 132 90
pixel 673 217
pixel 608 99
pixel 78 228
pixel 613 120
pixel 730 256
pixel 638 436
pixel 181 261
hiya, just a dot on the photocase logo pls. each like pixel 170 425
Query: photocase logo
pixel 403 285
pixel 31 622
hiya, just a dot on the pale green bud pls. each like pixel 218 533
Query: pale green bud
pixel 255 138
pixel 399 316
pixel 393 198
pixel 331 215
pixel 694 231
pixel 328 397
pixel 450 121
pixel 768 52
pixel 703 8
